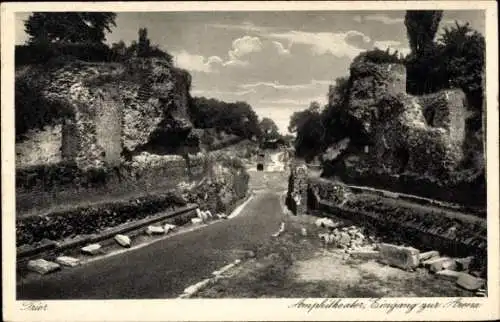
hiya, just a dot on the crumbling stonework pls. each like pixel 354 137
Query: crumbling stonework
pixel 297 197
pixel 40 147
pixel 409 134
pixel 115 106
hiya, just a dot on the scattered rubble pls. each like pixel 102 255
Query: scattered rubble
pixel 67 261
pixel 365 253
pixel 122 240
pixel 463 264
pixel 92 249
pixel 470 282
pixel 154 230
pixel 221 216
pixel 428 255
pixel 169 227
pixel 326 222
pixel 448 274
pixel 203 215
pixel 357 244
pixel 403 257
pixel 42 266
pixel 196 221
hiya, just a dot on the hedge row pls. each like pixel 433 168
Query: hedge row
pixel 92 219
pixel 466 189
pixel 49 177
pixel 437 222
pixel 41 53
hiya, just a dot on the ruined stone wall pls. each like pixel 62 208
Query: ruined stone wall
pixel 40 147
pixel 109 128
pixel 421 135
pixel 297 196
pixel 115 106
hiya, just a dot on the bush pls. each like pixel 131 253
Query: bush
pixel 378 56
pixel 91 220
pixel 33 111
pixel 42 53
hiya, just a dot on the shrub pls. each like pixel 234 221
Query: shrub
pixel 90 220
pixel 43 52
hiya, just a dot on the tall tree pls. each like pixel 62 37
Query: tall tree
pixel 308 125
pixel 421 27
pixel 143 46
pixel 269 129
pixel 69 27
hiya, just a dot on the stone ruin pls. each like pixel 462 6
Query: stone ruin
pixel 423 135
pixel 116 107
pixel 297 197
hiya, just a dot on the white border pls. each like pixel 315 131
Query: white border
pixel 237 309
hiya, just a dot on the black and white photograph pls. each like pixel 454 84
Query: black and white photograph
pixel 314 155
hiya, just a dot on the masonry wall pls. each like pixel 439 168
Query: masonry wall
pixel 40 147
pixel 109 129
pixel 45 186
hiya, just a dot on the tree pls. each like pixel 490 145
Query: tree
pixel 69 27
pixel 269 129
pixel 421 27
pixel 236 118
pixel 463 52
pixel 310 131
pixel 143 46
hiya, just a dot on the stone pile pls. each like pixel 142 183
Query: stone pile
pixel 348 238
pixel 355 242
pixel 459 270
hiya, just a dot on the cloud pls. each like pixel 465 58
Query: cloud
pixel 223 93
pixel 294 102
pixel 281 49
pixel 246 26
pixel 386 20
pixel 277 85
pixel 352 34
pixel 196 63
pixel 243 46
pixel 392 44
pixel 321 43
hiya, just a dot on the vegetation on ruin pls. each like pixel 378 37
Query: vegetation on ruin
pixel 455 60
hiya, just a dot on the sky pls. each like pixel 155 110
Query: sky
pixel 277 61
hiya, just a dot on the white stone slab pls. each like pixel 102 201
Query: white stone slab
pixel 67 261
pixel 42 266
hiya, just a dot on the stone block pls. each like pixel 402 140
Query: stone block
pixel 122 240
pixel 463 264
pixel 92 249
pixel 403 257
pixel 169 227
pixel 441 264
pixel 67 261
pixel 428 255
pixel 427 263
pixel 470 282
pixel 344 239
pixel 365 253
pixel 196 221
pixel 42 266
pixel 325 222
pixel 448 274
pixel 155 230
